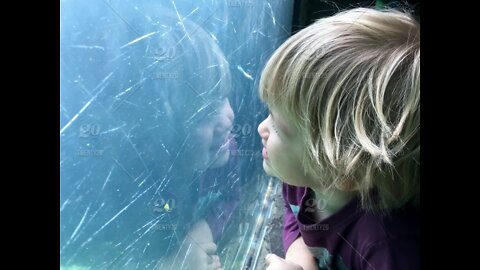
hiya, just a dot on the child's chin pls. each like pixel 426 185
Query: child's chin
pixel 267 168
pixel 221 159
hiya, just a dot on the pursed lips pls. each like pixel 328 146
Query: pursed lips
pixel 264 151
pixel 220 143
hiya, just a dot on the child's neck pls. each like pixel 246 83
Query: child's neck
pixel 331 202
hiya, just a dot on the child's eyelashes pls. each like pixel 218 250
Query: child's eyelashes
pixel 274 127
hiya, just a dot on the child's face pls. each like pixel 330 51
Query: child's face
pixel 213 138
pixel 283 150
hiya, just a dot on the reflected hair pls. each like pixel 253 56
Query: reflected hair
pixel 350 83
pixel 168 73
pixel 177 64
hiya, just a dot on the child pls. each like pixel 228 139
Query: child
pixel 343 134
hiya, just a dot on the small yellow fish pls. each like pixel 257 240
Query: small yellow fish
pixel 166 207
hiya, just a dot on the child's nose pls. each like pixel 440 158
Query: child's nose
pixel 229 111
pixel 262 130
pixel 226 118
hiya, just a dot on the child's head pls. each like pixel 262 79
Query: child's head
pixel 178 81
pixel 348 88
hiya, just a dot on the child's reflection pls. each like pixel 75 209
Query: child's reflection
pixel 212 142
pixel 164 189
pixel 215 137
pixel 197 120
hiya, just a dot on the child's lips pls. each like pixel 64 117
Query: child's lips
pixel 223 145
pixel 264 153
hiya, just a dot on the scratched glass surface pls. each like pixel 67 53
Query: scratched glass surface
pixel 160 160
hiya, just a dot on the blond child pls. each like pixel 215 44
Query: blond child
pixel 343 134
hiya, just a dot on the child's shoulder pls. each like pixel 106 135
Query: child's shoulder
pixel 390 240
pixel 398 225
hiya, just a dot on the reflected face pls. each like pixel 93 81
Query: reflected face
pixel 214 137
pixel 283 150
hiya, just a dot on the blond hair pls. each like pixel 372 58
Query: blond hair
pixel 350 83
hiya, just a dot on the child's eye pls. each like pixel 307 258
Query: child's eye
pixel 275 128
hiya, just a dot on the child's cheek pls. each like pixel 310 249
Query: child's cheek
pixel 202 136
pixel 274 154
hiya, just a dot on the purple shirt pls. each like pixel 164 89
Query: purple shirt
pixel 352 238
